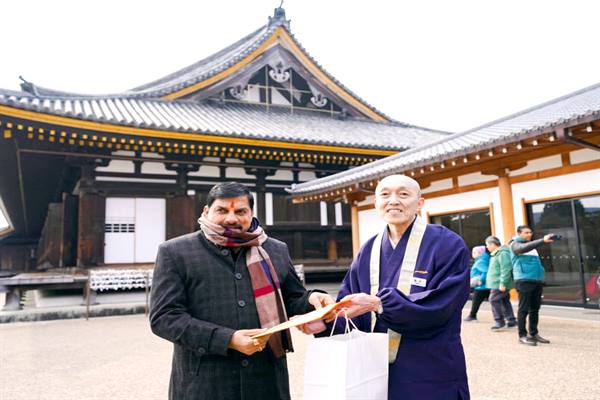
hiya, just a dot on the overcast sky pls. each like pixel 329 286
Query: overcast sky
pixel 450 65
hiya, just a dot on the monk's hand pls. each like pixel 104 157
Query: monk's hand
pixel 320 300
pixel 242 341
pixel 361 303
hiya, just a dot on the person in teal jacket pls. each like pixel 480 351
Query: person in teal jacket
pixel 528 273
pixel 481 260
pixel 500 281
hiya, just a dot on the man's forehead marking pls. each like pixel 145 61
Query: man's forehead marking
pixel 231 205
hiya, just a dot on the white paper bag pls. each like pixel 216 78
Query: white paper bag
pixel 352 366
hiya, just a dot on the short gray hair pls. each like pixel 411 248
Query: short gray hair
pixel 493 240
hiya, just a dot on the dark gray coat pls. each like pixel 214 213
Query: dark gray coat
pixel 200 296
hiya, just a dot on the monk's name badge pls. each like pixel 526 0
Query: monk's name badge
pixel 418 282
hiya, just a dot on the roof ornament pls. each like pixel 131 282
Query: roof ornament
pixel 278 17
pixel 28 87
pixel 238 92
pixel 318 98
pixel 279 73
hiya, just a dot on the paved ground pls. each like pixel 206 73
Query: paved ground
pixel 119 358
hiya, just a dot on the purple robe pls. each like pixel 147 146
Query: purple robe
pixel 431 363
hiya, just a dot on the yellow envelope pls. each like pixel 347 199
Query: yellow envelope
pixel 312 316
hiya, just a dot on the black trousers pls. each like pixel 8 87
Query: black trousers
pixel 479 296
pixel 501 307
pixel 530 301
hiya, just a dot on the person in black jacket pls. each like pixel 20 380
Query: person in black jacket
pixel 216 288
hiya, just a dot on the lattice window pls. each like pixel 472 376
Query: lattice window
pixel 119 228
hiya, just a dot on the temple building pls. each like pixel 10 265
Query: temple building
pixel 539 167
pixel 91 180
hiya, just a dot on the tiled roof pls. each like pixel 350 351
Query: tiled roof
pixel 143 107
pixel 519 126
pixel 233 120
pixel 207 68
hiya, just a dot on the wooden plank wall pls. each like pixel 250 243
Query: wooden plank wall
pixel 181 216
pixel 90 232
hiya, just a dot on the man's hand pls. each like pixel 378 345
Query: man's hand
pixel 361 303
pixel 312 328
pixel 320 300
pixel 548 238
pixel 502 288
pixel 242 341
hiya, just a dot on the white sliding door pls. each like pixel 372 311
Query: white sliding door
pixel 134 229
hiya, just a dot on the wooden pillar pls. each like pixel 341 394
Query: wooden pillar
pixel 355 228
pixel 90 220
pixel 261 198
pixel 506 205
pixel 90 229
pixel 332 252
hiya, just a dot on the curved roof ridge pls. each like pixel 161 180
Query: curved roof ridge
pixel 256 37
pixel 533 108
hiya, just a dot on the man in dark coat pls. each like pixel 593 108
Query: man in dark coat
pixel 216 288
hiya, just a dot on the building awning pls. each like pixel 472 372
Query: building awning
pixel 526 129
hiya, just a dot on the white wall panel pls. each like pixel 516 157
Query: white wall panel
pixel 118 166
pixel 584 155
pixel 119 237
pixel 438 185
pixel 150 224
pixel 156 168
pixel 477 177
pixel 539 164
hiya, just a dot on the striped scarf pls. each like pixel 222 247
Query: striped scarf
pixel 265 283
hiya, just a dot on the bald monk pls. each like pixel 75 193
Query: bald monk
pixel 412 281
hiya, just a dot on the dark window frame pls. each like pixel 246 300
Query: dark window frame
pixel 461 213
pixel 529 220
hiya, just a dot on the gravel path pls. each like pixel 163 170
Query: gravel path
pixel 119 358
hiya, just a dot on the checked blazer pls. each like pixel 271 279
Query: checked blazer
pixel 200 295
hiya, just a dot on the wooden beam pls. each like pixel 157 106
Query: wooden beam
pixel 498 171
pixel 189 161
pixel 548 173
pixel 531 176
pixel 560 197
pixel 461 189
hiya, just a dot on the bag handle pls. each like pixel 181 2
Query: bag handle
pixel 348 323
